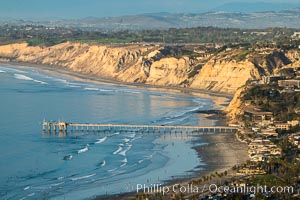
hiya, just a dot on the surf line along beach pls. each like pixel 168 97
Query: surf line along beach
pixel 220 153
pixel 211 118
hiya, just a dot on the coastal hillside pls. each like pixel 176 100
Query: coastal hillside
pixel 223 71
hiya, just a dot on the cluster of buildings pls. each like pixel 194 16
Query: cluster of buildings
pixel 262 126
pixel 263 123
pixel 288 80
pixel 262 150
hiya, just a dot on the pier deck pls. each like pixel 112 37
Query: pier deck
pixel 64 127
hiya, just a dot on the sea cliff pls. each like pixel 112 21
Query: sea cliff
pixel 225 71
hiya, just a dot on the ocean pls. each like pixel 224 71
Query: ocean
pixel 81 166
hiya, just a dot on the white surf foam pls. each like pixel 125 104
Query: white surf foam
pixel 126 140
pixel 14 70
pixel 27 78
pixel 177 116
pixel 23 77
pixel 101 140
pixel 57 184
pixel 41 82
pixel 131 91
pixel 118 150
pixel 123 164
pixel 149 157
pixel 73 86
pixel 31 194
pixel 83 150
pixel 91 89
pixel 139 137
pixel 103 163
pixel 112 170
pixel 132 135
pixel 105 90
pixel 61 177
pixel 124 161
pixel 123 153
pixel 83 177
pixel 27 188
pixel 134 92
pixel 195 109
pixel 58 79
pixel 2 71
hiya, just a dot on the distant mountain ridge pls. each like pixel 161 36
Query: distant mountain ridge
pixel 248 7
pixel 289 18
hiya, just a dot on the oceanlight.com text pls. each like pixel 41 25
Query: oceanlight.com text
pixel 212 188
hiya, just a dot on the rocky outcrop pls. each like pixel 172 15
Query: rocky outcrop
pixel 150 64
pixel 234 109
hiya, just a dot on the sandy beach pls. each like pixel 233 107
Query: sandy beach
pixel 221 99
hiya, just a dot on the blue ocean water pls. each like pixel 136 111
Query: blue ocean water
pixel 34 166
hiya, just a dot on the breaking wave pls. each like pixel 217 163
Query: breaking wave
pixel 27 78
pixel 99 141
pixel 82 177
pixel 118 150
pixel 83 150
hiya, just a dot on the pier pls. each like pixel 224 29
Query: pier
pixel 69 128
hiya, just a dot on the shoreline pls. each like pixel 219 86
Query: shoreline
pixel 93 78
pixel 206 152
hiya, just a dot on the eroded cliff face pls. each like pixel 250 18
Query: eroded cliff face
pixel 224 72
pixel 219 75
pixel 235 108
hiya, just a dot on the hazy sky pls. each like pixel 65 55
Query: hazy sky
pixel 102 8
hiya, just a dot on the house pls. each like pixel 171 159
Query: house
pixel 271 79
pixel 293 122
pixel 293 83
pixel 295 139
pixel 268 132
pixel 261 150
pixel 257 116
pixel 296 35
pixel 282 126
pixel 257 157
pixel 255 129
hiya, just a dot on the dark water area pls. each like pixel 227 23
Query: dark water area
pixel 34 166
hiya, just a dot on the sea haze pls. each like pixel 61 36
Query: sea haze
pixel 36 166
